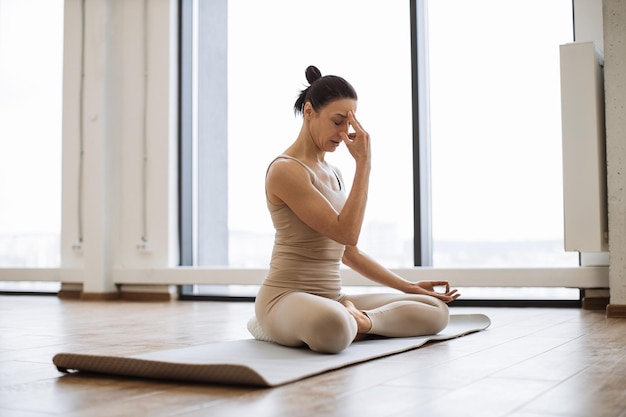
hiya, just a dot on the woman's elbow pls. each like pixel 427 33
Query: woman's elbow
pixel 349 239
pixel 349 255
pixel 347 233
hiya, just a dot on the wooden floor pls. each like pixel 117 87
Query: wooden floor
pixel 532 362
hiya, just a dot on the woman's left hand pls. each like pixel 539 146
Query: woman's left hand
pixel 428 288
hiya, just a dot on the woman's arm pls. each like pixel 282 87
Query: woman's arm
pixel 369 268
pixel 289 183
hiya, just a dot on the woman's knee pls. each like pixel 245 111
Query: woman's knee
pixel 331 332
pixel 441 316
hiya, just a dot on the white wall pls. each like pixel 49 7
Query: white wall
pixel 615 103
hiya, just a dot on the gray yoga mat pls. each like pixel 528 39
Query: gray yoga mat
pixel 253 362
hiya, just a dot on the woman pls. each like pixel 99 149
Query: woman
pixel 317 227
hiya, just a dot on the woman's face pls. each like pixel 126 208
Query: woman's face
pixel 327 124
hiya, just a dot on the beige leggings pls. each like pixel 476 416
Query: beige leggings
pixel 324 324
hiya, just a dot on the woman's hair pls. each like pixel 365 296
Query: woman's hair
pixel 322 90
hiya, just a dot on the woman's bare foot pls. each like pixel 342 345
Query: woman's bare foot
pixel 364 324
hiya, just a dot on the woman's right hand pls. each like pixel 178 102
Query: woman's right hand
pixel 428 288
pixel 358 143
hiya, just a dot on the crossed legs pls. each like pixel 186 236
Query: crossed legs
pixel 402 315
pixel 329 326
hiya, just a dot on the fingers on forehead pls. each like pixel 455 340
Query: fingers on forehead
pixel 353 121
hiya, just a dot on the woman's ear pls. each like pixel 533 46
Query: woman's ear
pixel 308 111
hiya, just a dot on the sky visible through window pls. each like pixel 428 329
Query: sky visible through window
pixel 496 132
pixel 266 73
pixel 31 60
pixel 495 120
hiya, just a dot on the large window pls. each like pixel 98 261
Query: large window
pixel 495 141
pixel 496 132
pixel 31 58
pixel 244 115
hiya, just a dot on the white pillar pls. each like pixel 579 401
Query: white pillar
pixel 615 102
pixel 88 189
pixel 126 190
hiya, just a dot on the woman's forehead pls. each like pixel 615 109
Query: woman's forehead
pixel 341 106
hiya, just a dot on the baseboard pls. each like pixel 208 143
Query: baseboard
pixel 616 311
pixel 132 294
pixel 595 303
pixel 138 292
pixel 99 296
pixel 126 296
pixel 145 296
pixel 70 291
pixel 74 291
pixel 69 294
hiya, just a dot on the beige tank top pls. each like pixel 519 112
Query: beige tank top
pixel 303 259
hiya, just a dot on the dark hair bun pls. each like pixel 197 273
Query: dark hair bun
pixel 312 74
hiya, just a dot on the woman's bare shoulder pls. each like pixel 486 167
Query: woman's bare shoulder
pixel 285 167
pixel 287 180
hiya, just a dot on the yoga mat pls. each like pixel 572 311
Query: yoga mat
pixel 254 362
